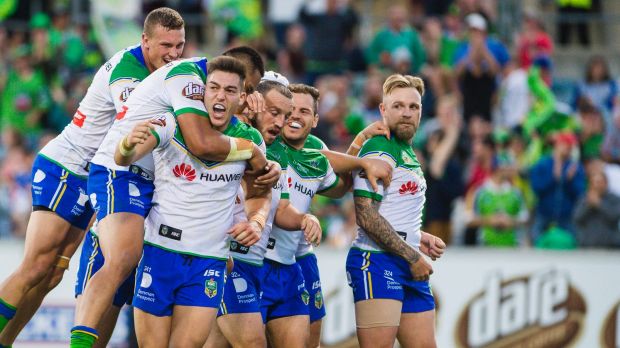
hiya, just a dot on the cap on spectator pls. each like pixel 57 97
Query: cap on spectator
pixel 476 21
pixel 275 77
pixel 568 138
pixel 40 21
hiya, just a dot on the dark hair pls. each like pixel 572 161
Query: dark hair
pixel 227 64
pixel 597 60
pixel 305 89
pixel 247 55
pixel 164 16
pixel 265 87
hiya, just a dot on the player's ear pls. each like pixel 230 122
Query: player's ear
pixel 315 121
pixel 382 111
pixel 242 98
pixel 145 40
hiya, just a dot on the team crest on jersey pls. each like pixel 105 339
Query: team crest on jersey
pixel 125 94
pixel 318 300
pixel 211 288
pixel 407 159
pixel 194 91
pixel 184 171
pixel 305 297
pixel 409 188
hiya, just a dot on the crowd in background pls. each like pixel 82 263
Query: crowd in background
pixel 508 159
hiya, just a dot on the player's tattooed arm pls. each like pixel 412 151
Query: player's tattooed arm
pixel 381 231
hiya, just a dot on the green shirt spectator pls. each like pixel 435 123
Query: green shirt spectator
pixel 397 33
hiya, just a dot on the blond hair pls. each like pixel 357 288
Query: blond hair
pixel 402 81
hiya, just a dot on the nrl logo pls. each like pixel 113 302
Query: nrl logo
pixel 193 91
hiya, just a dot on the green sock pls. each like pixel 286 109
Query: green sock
pixel 83 337
pixel 7 312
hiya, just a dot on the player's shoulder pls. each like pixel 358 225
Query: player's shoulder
pixel 379 144
pixel 127 64
pixel 315 159
pixel 191 67
pixel 314 142
pixel 276 151
pixel 239 129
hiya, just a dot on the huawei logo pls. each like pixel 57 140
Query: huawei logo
pixel 184 171
pixel 290 182
pixel 410 187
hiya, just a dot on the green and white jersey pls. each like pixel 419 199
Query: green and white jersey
pixel 106 96
pixel 176 87
pixel 312 143
pixel 256 253
pixel 194 199
pixel 309 173
pixel 402 202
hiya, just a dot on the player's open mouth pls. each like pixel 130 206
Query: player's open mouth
pixel 274 132
pixel 219 108
pixel 295 125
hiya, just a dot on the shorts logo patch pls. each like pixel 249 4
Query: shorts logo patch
pixel 211 288
pixel 241 285
pixel 184 171
pixel 193 91
pixel 93 199
pixel 83 198
pixel 318 300
pixel 38 176
pixel 147 280
pixel 170 232
pixel 134 191
pixel 305 297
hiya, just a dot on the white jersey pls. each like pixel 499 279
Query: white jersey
pixel 256 253
pixel 106 96
pixel 176 87
pixel 309 173
pixel 402 202
pixel 194 199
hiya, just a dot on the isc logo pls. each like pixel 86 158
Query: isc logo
pixel 544 303
pixel 211 273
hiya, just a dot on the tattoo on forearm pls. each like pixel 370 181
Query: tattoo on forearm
pixel 380 230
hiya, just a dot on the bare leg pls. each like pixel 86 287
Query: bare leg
pixel 289 331
pixel 417 330
pixel 152 331
pixel 185 333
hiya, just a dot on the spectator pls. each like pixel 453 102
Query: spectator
pixel 558 181
pixel 573 8
pixel 533 41
pixel 291 57
pixel 591 132
pixel 598 88
pixel 597 214
pixel 440 47
pixel 513 102
pixel 444 174
pixel 282 14
pixel 499 208
pixel 329 34
pixel 396 34
pixel 478 62
pixel 25 97
pixel 610 152
pixel 343 228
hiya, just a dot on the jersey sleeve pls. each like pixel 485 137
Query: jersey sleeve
pixel 330 180
pixel 165 127
pixel 124 78
pixel 185 89
pixel 379 148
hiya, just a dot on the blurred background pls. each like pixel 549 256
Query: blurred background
pixel 519 142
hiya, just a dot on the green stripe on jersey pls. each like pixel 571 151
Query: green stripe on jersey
pixel 128 68
pixel 372 195
pixel 401 152
pixel 186 253
pixel 187 68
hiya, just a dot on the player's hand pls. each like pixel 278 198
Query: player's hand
pixel 256 103
pixel 421 269
pixel 258 162
pixel 312 229
pixel 376 170
pixel 376 128
pixel 432 246
pixel 230 263
pixel 247 232
pixel 271 177
pixel 140 133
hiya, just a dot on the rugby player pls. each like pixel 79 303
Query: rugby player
pixel 61 209
pixel 239 320
pixel 389 277
pixel 122 194
pixel 285 297
pixel 181 275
